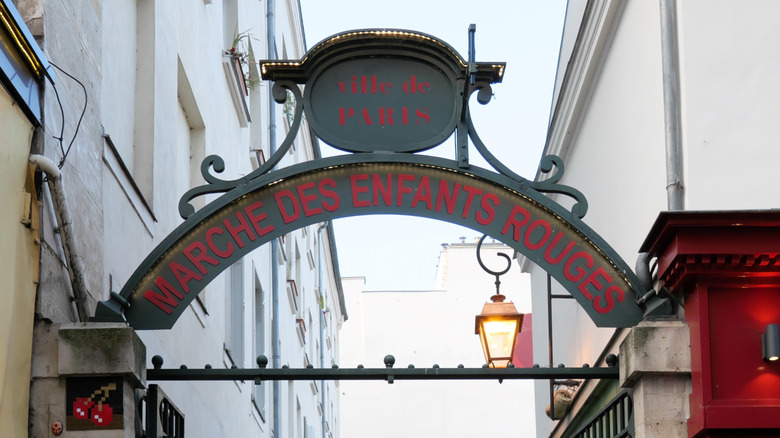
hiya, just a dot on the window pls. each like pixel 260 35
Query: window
pixel 297 265
pixel 194 135
pixel 144 100
pixel 234 313
pixel 308 429
pixel 310 259
pixel 235 60
pixel 190 144
pixel 258 395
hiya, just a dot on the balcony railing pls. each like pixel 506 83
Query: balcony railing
pixel 616 420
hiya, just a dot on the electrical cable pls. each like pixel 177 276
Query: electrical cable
pixel 62 115
pixel 64 151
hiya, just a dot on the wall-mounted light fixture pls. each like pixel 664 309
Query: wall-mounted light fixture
pixel 770 343
pixel 499 323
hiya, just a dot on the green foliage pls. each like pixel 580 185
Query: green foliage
pixel 240 50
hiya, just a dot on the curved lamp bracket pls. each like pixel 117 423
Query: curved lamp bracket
pixel 490 271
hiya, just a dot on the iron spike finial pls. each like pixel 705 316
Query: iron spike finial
pixel 472 54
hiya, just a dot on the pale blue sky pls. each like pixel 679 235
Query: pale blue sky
pixel 397 252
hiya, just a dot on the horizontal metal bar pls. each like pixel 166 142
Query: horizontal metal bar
pixel 389 374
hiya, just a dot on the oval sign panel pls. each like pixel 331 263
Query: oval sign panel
pixel 382 104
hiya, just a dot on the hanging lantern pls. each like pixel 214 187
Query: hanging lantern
pixel 499 323
pixel 497 327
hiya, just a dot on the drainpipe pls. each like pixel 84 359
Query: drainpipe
pixel 670 72
pixel 675 191
pixel 322 318
pixel 276 360
pixel 75 266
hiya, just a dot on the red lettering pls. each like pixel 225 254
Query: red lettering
pixel 329 194
pixel 366 116
pixel 197 260
pixel 243 227
pixel 256 219
pixel 306 199
pixel 488 208
pixel 384 116
pixel 184 275
pixel 548 252
pixel 448 197
pixel 356 190
pixel 410 86
pixel 539 222
pixel 423 193
pixel 618 294
pixel 514 223
pixel 287 216
pixel 344 114
pixel 471 192
pixel 579 272
pixel 422 114
pixel 386 112
pixel 386 190
pixel 213 247
pixel 167 297
pixel 167 289
pixel 402 189
pixel 593 279
pixel 375 85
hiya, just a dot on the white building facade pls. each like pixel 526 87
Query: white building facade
pixel 426 328
pixel 658 106
pixel 162 85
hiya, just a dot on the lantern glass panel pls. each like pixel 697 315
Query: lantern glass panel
pixel 498 338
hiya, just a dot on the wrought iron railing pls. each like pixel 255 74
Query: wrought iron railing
pixel 157 416
pixel 616 420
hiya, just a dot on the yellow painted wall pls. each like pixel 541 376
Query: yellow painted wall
pixel 19 261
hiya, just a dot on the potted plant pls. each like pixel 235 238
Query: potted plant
pixel 241 56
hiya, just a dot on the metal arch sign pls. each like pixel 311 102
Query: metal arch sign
pixel 374 104
pixel 378 91
pixel 383 90
pixel 208 243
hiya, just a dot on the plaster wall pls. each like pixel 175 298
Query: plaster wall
pixel 614 154
pixel 77 50
pixel 728 79
pixel 609 128
pixel 158 103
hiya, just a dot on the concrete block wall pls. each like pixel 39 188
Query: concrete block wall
pixel 655 360
pixel 84 350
